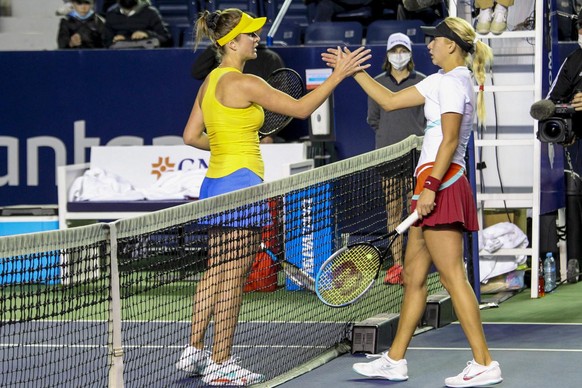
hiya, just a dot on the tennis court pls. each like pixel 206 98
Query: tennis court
pixel 111 303
pixel 531 355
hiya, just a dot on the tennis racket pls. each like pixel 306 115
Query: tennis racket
pixel 294 273
pixel 288 81
pixel 350 271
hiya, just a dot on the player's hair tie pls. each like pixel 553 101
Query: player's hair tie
pixel 481 88
pixel 212 20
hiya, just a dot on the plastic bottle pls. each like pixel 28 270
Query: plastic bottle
pixel 549 272
pixel 541 282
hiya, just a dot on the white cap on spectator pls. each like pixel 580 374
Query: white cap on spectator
pixel 397 39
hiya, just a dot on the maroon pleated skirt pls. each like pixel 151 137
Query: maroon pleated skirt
pixel 455 205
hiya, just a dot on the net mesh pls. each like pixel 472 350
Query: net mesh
pixel 121 296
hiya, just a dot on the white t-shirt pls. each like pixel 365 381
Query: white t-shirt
pixel 445 93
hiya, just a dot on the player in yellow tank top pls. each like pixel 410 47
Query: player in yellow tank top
pixel 225 119
pixel 232 132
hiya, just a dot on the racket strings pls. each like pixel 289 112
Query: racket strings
pixel 349 275
pixel 289 82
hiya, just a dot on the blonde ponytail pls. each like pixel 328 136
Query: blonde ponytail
pixel 482 56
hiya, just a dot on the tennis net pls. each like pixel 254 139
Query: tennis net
pixel 111 304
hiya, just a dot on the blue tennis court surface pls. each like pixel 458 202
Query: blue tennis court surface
pixel 531 355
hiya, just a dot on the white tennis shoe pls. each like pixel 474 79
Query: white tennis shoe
pixel 193 360
pixel 484 21
pixel 229 373
pixel 383 368
pixel 499 22
pixel 476 375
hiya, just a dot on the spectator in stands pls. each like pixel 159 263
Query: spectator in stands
pixel 82 28
pixel 567 87
pixel 442 197
pixel 267 62
pixel 394 126
pixel 325 10
pixel 225 119
pixel 426 10
pixel 492 20
pixel 133 21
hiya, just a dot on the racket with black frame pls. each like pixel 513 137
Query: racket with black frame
pixel 351 271
pixel 293 272
pixel 288 81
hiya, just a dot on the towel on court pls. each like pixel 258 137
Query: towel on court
pixel 99 185
pixel 495 237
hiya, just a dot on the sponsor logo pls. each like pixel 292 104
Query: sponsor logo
pixel 162 166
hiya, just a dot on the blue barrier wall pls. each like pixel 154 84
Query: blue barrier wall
pixel 57 104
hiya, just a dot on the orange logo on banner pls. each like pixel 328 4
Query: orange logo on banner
pixel 161 166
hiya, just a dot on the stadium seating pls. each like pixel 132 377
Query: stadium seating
pixel 319 33
pixel 297 12
pixel 288 34
pixel 379 30
pixel 251 6
pixel 178 15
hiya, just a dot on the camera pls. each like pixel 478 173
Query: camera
pixel 559 127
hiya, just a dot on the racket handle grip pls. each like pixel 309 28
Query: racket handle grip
pixel 407 223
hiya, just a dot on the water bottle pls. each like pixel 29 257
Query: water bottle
pixel 541 283
pixel 549 272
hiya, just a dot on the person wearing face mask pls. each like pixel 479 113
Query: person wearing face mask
pixel 82 28
pixel 567 87
pixel 135 20
pixel 394 126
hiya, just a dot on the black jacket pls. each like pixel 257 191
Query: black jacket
pixel 90 29
pixel 569 82
pixel 266 62
pixel 146 19
pixel 569 78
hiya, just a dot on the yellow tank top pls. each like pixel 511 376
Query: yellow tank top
pixel 232 132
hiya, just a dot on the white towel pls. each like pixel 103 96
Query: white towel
pixel 495 237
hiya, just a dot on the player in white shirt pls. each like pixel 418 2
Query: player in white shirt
pixel 442 197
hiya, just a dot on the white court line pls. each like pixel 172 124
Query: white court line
pixel 499 349
pixel 529 323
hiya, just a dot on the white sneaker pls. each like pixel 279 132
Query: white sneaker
pixel 476 375
pixel 484 21
pixel 229 373
pixel 193 360
pixel 384 368
pixel 499 23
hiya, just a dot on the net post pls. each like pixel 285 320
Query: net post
pixel 114 342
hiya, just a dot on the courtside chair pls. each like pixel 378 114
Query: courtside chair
pixel 322 33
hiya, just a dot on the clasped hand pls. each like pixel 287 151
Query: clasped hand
pixel 345 61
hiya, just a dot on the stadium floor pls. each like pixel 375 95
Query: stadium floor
pixel 532 355
pixel 540 353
